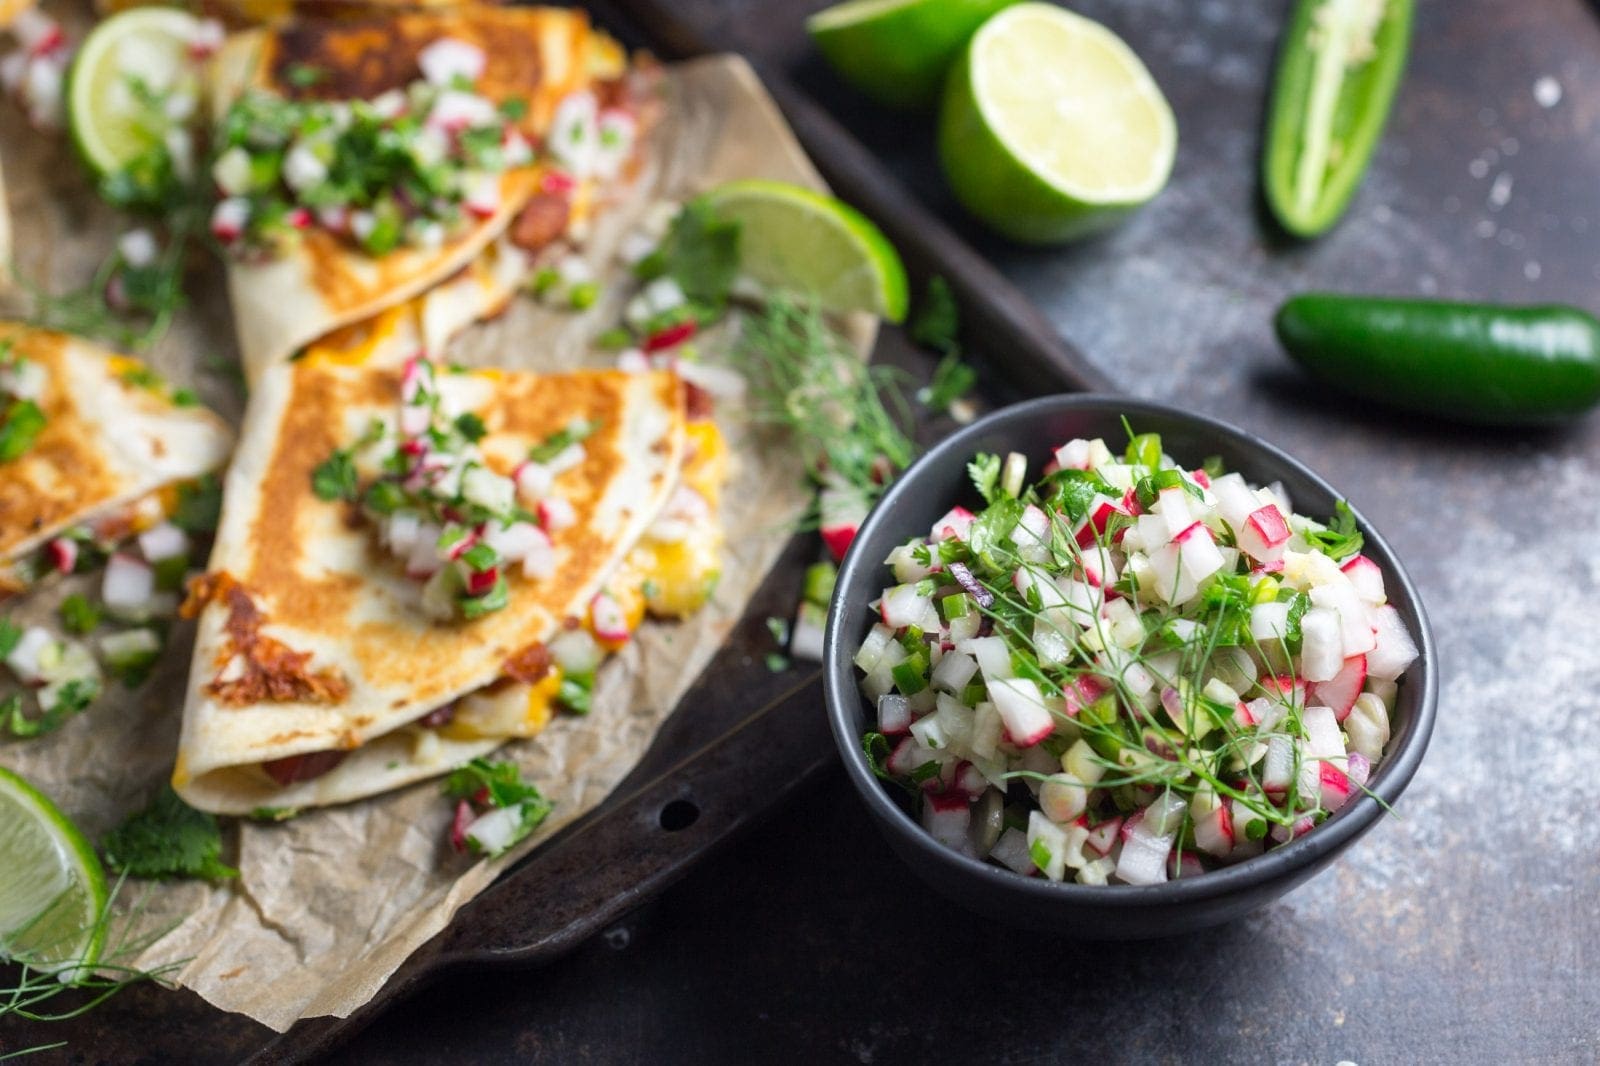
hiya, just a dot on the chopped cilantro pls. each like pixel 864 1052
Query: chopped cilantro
pixel 779 628
pixel 471 427
pixel 72 698
pixel 78 615
pixel 167 839
pixel 335 477
pixel 10 633
pixel 576 693
pixel 700 252
pixel 985 473
pixel 576 431
pixel 776 663
pixel 492 784
pixel 20 425
pixel 275 814
pixel 514 108
pixel 1341 538
pixel 304 75
pixel 938 321
pixel 199 505
pixel 952 379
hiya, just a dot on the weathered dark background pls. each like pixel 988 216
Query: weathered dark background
pixel 1460 930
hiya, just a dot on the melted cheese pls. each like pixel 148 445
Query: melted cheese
pixel 510 710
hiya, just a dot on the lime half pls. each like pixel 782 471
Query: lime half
pixel 814 246
pixel 52 889
pixel 122 80
pixel 897 51
pixel 1051 127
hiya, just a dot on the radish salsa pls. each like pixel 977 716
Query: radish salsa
pixel 1129 671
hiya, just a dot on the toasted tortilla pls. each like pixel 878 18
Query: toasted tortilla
pixel 107 442
pixel 294 578
pixel 321 282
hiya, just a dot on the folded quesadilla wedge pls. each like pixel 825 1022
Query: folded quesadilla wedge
pixel 397 149
pixel 93 448
pixel 400 547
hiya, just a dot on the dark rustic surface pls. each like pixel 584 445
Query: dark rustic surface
pixel 1458 931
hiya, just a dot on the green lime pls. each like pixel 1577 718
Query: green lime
pixel 122 79
pixel 897 51
pixel 814 246
pixel 52 890
pixel 1052 128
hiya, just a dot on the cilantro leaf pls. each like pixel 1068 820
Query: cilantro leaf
pixel 72 698
pixel 1297 611
pixel 700 252
pixel 575 432
pixel 167 839
pixel 18 427
pixel 1341 538
pixel 335 477
pixel 1072 491
pixel 993 526
pixel 499 784
pixel 952 379
pixel 10 633
pixel 985 473
pixel 199 506
pixel 938 321
pixel 78 615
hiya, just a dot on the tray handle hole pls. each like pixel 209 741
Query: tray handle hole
pixel 678 815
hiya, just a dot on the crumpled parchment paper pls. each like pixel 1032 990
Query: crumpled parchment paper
pixel 329 904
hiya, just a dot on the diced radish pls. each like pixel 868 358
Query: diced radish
pixel 1278 770
pixel 479 582
pixel 1201 478
pixel 1341 691
pixel 1011 851
pixel 955 525
pixel 1031 535
pixel 1282 689
pixel 1336 787
pixel 1358 768
pixel 1368 726
pixel 1213 833
pixel 954 672
pixel 1101 511
pixel 447 59
pixel 993 655
pixel 842 512
pixel 1172 505
pixel 1321 645
pixel 903 606
pixel 25 657
pixel 1073 455
pixel 1264 534
pixel 483 196
pixel 894 714
pixel 1367 577
pixel 556 513
pixel 1144 857
pixel 497 830
pixel 458 825
pixel 1172 582
pixel 138 247
pixel 228 219
pixel 806 635
pixel 1355 627
pixel 129 583
pixel 1323 739
pixel 63 554
pixel 165 541
pixel 1022 709
pixel 1185 865
pixel 907 756
pixel 969 781
pixel 1395 649
pixel 1197 552
pixel 610 620
pixel 1103 837
pixel 946 817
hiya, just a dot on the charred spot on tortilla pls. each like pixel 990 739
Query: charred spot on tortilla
pixel 269 670
pixel 530 665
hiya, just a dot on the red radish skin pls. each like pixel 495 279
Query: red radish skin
pixel 1264 534
pixel 63 554
pixel 1367 577
pixel 1340 691
pixel 1214 833
pixel 1104 837
pixel 955 525
pixel 460 824
pixel 837 539
pixel 1336 787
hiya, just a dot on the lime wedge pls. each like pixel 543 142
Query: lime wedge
pixel 1051 127
pixel 897 51
pixel 814 246
pixel 129 63
pixel 52 890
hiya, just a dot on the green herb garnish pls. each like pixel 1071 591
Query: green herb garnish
pixel 168 839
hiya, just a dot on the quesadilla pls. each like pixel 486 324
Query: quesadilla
pixel 93 448
pixel 412 560
pixel 398 149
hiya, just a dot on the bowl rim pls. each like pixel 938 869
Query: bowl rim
pixel 843 697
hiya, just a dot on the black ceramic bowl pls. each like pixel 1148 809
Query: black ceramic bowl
pixel 938 480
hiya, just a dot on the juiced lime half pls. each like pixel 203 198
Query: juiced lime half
pixel 897 51
pixel 52 889
pixel 121 80
pixel 814 246
pixel 1051 127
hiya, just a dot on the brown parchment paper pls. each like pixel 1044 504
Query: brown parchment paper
pixel 329 904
